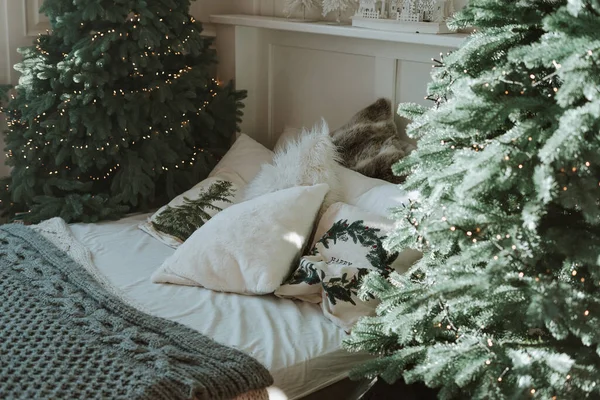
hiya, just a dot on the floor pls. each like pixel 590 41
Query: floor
pixel 399 391
pixel 369 390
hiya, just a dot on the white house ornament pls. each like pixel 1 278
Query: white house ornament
pixel 416 16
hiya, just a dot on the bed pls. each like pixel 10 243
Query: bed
pixel 292 339
pixel 293 78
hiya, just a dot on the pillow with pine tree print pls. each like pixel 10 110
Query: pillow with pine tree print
pixel 347 246
pixel 173 223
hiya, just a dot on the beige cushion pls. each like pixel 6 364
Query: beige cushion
pixel 245 158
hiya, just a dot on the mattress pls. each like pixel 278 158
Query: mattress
pixel 299 346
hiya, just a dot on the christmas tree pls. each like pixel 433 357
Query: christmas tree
pixel 304 5
pixel 116 110
pixel 505 302
pixel 337 6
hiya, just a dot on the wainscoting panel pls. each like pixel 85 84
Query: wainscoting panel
pixel 307 84
pixel 296 78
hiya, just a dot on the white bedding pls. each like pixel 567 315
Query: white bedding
pixel 299 346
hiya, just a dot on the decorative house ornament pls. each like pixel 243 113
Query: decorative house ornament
pixel 418 16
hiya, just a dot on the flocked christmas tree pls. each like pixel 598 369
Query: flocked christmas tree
pixel 303 5
pixel 505 302
pixel 337 7
pixel 116 110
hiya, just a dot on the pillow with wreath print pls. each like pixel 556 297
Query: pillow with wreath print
pixel 349 246
pixel 173 223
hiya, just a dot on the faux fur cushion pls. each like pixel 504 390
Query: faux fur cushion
pixel 308 160
pixel 369 143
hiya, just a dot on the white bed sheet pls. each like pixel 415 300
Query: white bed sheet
pixel 299 346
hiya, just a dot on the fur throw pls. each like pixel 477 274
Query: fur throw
pixel 308 160
pixel 369 143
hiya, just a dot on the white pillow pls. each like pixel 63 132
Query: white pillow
pixel 374 195
pixel 245 158
pixel 173 223
pixel 348 246
pixel 248 248
pixel 289 134
pixel 310 160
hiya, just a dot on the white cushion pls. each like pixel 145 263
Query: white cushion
pixel 250 247
pixel 173 223
pixel 310 160
pixel 289 134
pixel 348 246
pixel 245 158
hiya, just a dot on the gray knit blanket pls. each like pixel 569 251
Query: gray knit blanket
pixel 63 336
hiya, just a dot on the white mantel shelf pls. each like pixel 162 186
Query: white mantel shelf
pixel 453 40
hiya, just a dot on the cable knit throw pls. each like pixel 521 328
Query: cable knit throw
pixel 62 336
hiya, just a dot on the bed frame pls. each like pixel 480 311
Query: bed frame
pixel 297 73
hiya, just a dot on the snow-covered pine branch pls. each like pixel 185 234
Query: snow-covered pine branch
pixel 338 6
pixel 304 5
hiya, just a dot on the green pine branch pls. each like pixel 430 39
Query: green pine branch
pixel 182 221
pixel 305 273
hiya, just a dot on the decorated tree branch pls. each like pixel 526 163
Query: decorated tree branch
pixel 505 302
pixel 182 221
pixel 116 110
